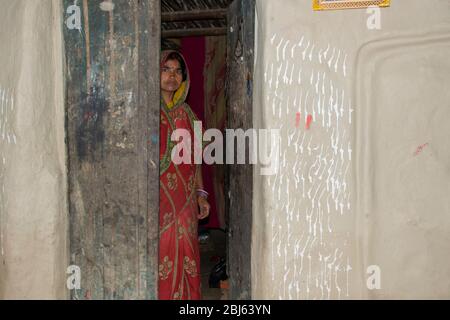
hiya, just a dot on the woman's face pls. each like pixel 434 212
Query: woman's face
pixel 171 76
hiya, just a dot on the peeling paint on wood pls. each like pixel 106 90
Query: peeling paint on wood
pixel 112 101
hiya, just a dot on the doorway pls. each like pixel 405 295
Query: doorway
pixel 206 59
pixel 217 39
pixel 112 129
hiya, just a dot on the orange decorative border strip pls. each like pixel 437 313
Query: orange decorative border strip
pixel 348 4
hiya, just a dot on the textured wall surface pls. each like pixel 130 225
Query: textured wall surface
pixel 364 171
pixel 33 211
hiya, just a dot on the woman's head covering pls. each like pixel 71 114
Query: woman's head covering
pixel 181 94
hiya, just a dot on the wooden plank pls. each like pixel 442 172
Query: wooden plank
pixel 211 14
pixel 194 32
pixel 112 104
pixel 241 24
pixel 149 104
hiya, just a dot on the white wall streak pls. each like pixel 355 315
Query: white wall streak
pixel 313 178
pixel 7 139
pixel 7 134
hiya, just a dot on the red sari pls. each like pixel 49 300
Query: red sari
pixel 179 256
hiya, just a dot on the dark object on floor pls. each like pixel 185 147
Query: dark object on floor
pixel 203 236
pixel 218 273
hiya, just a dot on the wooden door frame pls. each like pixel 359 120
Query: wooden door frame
pixel 239 178
pixel 98 176
pixel 112 136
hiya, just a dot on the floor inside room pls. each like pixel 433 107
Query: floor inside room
pixel 212 250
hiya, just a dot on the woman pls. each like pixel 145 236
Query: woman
pixel 181 190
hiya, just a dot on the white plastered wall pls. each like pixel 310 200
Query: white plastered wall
pixel 368 183
pixel 33 210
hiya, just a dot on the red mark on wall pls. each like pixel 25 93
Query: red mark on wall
pixel 297 119
pixel 420 149
pixel 308 121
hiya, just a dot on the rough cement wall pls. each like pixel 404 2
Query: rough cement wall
pixel 33 211
pixel 364 173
